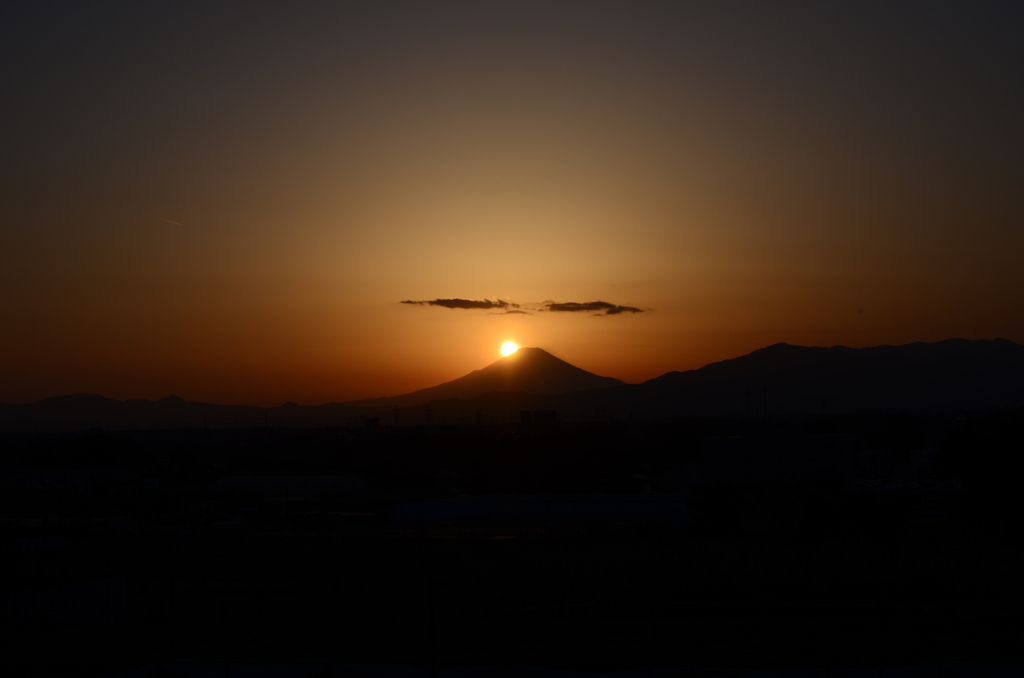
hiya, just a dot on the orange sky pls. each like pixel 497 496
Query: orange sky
pixel 230 204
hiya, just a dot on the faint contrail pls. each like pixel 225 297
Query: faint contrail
pixel 173 222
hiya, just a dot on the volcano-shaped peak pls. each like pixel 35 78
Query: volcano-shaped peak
pixel 535 365
pixel 528 370
pixel 530 356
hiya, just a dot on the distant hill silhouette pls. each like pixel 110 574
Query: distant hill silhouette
pixel 80 411
pixel 528 370
pixel 951 375
pixel 955 375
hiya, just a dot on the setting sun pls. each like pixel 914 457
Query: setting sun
pixel 508 348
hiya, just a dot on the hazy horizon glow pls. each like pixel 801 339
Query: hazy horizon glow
pixel 232 202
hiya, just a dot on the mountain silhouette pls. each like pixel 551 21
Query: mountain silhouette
pixel 528 370
pixel 88 411
pixel 952 376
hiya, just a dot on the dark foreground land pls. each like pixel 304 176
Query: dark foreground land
pixel 122 550
pixel 584 605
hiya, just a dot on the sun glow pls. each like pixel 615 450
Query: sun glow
pixel 508 348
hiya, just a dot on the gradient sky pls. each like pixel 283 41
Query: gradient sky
pixel 230 201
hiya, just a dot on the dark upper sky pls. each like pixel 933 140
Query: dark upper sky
pixel 230 200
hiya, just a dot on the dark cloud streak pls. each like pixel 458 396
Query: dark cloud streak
pixel 597 307
pixel 485 304
pixel 507 307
